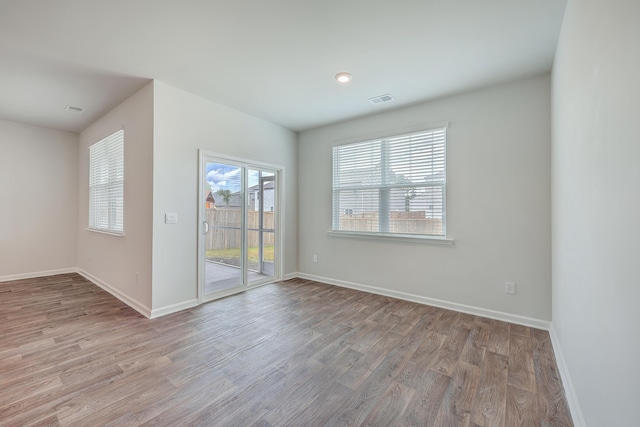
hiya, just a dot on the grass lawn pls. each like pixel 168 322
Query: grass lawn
pixel 235 253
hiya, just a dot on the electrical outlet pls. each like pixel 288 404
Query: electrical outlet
pixel 510 288
pixel 137 277
pixel 315 258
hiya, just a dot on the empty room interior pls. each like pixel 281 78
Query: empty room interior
pixel 270 213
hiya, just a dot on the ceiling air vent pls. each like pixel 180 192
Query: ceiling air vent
pixel 381 98
pixel 74 109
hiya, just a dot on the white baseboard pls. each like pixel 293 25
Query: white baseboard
pixel 137 306
pixel 570 392
pixel 478 311
pixel 291 276
pixel 163 311
pixel 13 277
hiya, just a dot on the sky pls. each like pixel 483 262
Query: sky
pixel 227 177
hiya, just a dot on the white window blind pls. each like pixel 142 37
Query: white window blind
pixel 106 184
pixel 394 185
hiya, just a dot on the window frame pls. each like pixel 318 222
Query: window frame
pixel 385 235
pixel 107 154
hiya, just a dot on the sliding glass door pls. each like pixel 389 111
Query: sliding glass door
pixel 239 233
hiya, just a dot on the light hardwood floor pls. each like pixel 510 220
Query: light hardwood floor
pixel 295 353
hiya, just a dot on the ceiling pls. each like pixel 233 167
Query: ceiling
pixel 274 59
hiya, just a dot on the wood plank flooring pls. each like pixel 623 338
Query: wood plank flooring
pixel 294 353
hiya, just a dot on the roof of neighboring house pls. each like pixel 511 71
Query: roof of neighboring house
pixel 269 185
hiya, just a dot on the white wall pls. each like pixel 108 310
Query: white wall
pixel 115 261
pixel 183 124
pixel 596 206
pixel 38 189
pixel 498 208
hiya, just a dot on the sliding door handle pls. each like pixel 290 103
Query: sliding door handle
pixel 205 226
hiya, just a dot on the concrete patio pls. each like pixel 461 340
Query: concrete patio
pixel 220 277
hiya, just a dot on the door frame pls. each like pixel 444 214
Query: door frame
pixel 205 156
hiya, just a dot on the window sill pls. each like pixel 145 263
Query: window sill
pixel 106 233
pixel 392 237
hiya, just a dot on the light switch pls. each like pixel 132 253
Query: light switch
pixel 171 218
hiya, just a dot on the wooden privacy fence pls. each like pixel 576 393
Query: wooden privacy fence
pixel 400 222
pixel 227 238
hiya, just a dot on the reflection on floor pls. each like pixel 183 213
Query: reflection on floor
pixel 221 277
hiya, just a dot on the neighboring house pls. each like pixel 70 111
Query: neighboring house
pixel 268 194
pixel 254 198
pixel 423 198
pixel 210 201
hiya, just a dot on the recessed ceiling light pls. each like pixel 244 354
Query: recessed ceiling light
pixel 343 77
pixel 74 109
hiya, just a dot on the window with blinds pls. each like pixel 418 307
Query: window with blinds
pixel 106 184
pixel 394 185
